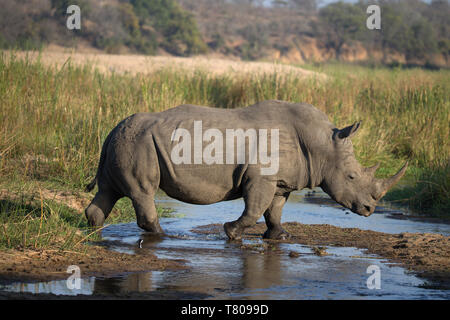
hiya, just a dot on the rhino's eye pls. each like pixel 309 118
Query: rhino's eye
pixel 351 176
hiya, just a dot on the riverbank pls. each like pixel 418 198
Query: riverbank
pixel 47 264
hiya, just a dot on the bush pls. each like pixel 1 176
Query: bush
pixel 412 28
pixel 178 27
pixel 340 24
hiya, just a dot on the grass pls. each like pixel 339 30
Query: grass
pixel 53 121
pixel 33 222
pixel 428 192
pixel 34 225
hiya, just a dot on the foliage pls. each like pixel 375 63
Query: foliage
pixel 412 31
pixel 139 25
pixel 429 192
pixel 410 27
pixel 177 26
pixel 341 23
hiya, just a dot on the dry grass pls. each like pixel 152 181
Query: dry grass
pixel 141 64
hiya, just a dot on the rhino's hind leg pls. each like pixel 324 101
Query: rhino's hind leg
pixel 257 196
pixel 273 219
pixel 146 214
pixel 100 207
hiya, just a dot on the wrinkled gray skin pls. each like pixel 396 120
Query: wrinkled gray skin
pixel 135 162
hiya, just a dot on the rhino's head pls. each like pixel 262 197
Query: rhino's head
pixel 350 184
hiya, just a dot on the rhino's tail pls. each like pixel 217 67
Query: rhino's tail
pixel 101 163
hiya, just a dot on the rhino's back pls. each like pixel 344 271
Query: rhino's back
pixel 274 110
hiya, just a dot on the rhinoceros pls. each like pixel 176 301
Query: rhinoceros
pixel 137 159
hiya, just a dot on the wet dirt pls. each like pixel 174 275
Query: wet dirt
pixel 46 265
pixel 327 258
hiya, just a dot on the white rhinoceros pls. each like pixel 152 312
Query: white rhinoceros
pixel 204 155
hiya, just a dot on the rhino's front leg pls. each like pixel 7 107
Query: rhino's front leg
pixel 258 194
pixel 273 218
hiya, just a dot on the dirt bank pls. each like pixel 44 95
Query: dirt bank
pixel 426 254
pixel 45 265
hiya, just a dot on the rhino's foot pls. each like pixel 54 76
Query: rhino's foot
pixel 151 227
pixel 95 218
pixel 276 234
pixel 233 231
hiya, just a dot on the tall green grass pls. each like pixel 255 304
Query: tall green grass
pixel 53 121
pixel 32 225
pixel 428 191
pixel 32 222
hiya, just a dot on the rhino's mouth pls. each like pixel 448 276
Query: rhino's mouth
pixel 362 209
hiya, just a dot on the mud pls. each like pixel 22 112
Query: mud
pixel 427 254
pixel 45 265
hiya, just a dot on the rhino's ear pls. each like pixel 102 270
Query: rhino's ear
pixel 349 131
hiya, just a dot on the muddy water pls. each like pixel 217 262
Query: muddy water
pixel 224 270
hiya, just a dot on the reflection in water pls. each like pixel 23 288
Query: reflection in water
pixel 135 282
pixel 149 240
pixel 261 271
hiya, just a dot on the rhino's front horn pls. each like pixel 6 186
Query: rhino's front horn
pixel 389 183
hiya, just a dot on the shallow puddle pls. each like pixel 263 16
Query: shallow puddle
pixel 254 269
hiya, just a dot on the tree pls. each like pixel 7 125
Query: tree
pixel 177 26
pixel 437 14
pixel 340 23
pixel 304 5
pixel 407 30
pixel 422 42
